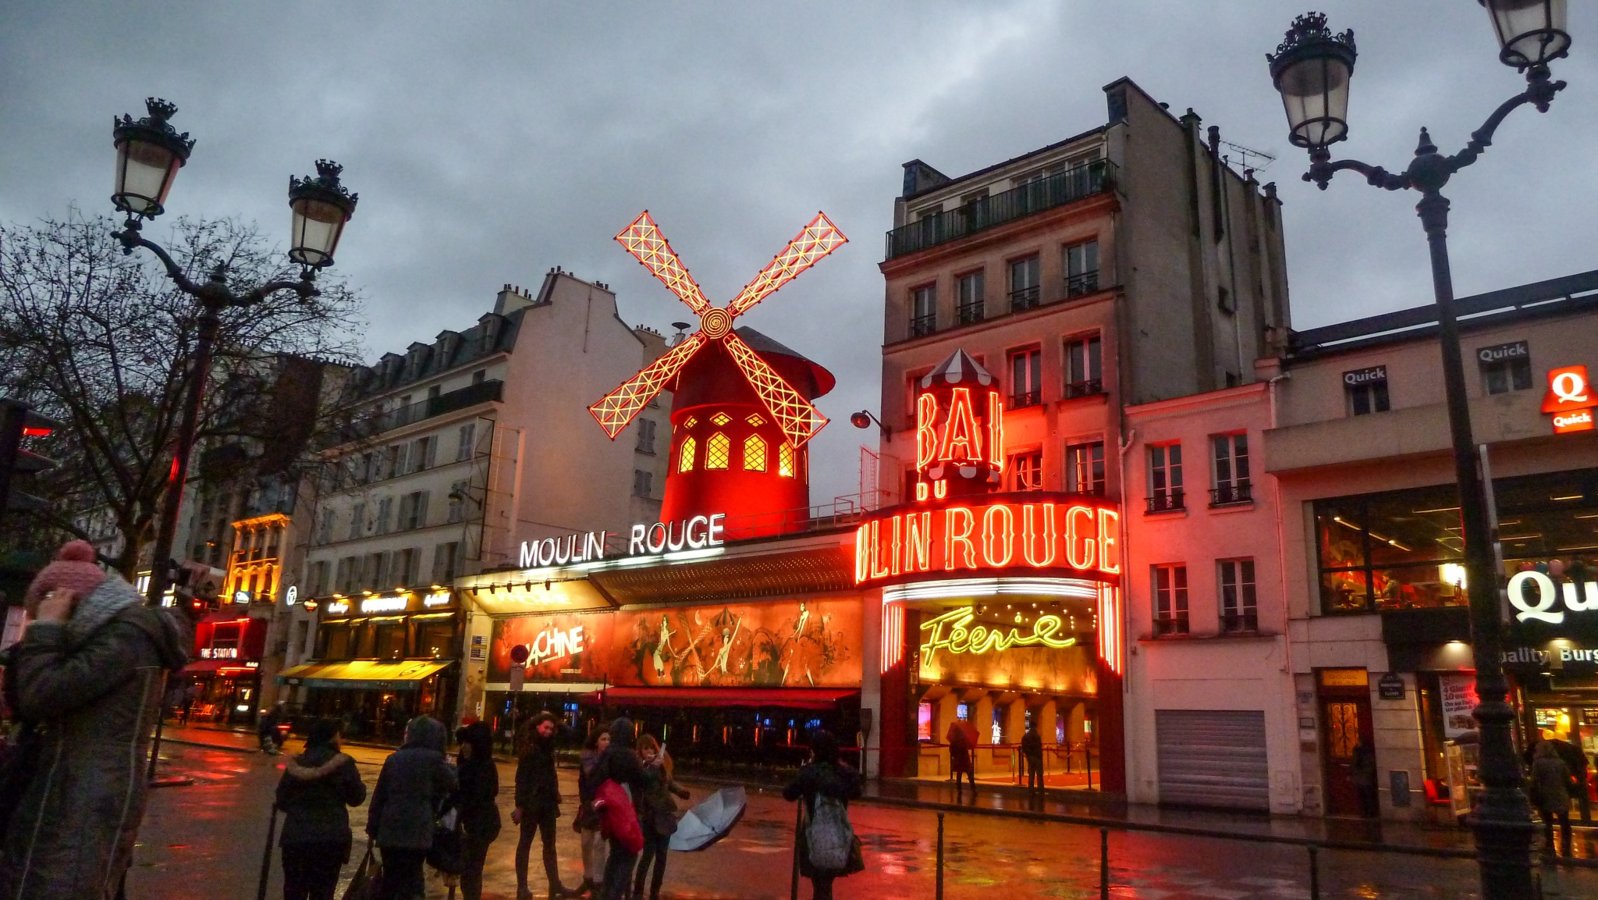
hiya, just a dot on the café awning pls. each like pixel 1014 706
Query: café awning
pixel 363 674
pixel 749 698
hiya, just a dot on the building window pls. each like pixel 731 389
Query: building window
pixel 405 566
pixel 1084 468
pixel 1081 268
pixel 1165 477
pixel 754 453
pixel 1239 608
pixel 1024 283
pixel 422 453
pixel 457 502
pixel 1230 473
pixel 1505 368
pixel 785 466
pixel 1170 599
pixel 1403 550
pixel 718 451
pixel 923 310
pixel 642 483
pixel 1367 390
pixel 466 438
pixel 357 520
pixel 390 641
pixel 1024 471
pixel 1026 374
pixel 756 419
pixel 646 436
pixel 720 419
pixel 1084 366
pixel 413 510
pixel 445 557
pixel 324 526
pixel 971 303
pixel 685 454
pixel 385 509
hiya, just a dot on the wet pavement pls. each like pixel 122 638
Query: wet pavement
pixel 205 841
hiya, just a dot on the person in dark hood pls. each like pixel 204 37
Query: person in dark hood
pixel 824 776
pixel 316 788
pixel 538 804
pixel 620 763
pixel 479 811
pixel 415 781
pixel 87 678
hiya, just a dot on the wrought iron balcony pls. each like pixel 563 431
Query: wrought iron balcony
pixel 1234 492
pixel 1086 388
pixel 1024 298
pixel 482 392
pixel 970 313
pixel 1020 399
pixel 1081 283
pixel 1166 501
pixel 1246 621
pixel 1167 625
pixel 921 326
pixel 989 212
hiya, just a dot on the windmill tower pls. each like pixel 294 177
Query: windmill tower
pixel 741 402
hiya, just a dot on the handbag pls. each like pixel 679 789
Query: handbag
pixel 367 883
pixel 448 853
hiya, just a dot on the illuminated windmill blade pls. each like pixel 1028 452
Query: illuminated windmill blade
pixel 798 419
pixel 643 240
pixel 807 248
pixel 620 406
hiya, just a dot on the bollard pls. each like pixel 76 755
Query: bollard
pixel 939 889
pixel 1314 875
pixel 1104 863
pixel 1087 756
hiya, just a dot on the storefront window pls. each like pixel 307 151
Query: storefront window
pixel 333 641
pixel 390 640
pixel 436 638
pixel 361 639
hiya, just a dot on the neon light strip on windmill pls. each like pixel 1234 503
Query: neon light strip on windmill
pixel 798 419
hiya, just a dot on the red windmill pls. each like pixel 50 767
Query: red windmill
pixel 741 411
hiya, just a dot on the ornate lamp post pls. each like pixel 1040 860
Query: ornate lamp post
pixel 1311 69
pixel 149 154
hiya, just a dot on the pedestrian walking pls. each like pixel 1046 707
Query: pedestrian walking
pixel 1576 761
pixel 317 788
pixel 479 810
pixel 960 759
pixel 619 763
pixel 87 678
pixel 1550 793
pixel 1362 772
pixel 538 804
pixel 826 785
pixel 1032 757
pixel 415 782
pixel 586 823
pixel 657 815
pixel 266 729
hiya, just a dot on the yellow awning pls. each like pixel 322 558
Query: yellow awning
pixel 363 674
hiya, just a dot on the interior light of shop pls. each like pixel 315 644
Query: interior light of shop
pixel 1575 549
pixel 1520 537
pixel 1452 573
pixel 1565 498
pixel 1586 516
pixel 991 587
pixel 439 587
pixel 1440 509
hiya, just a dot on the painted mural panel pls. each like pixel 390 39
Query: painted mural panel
pixel 560 647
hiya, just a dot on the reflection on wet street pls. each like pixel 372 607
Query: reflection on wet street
pixel 205 842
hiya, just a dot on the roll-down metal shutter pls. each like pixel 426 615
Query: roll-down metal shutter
pixel 1212 758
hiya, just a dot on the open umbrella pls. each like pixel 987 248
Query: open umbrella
pixel 710 821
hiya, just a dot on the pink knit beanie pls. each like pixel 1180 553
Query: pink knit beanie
pixel 74 569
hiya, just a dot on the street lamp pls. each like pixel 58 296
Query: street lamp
pixel 149 154
pixel 1312 68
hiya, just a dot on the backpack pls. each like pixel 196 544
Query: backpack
pixel 828 835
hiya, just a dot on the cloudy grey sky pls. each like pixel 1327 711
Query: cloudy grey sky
pixel 491 141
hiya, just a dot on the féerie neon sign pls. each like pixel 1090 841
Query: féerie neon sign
pixel 955 632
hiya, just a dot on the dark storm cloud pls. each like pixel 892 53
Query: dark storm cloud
pixel 492 141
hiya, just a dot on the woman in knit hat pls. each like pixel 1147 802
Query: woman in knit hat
pixel 88 676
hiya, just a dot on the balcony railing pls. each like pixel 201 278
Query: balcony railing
pixel 482 392
pixel 1086 388
pixel 1021 399
pixel 1024 298
pixel 1081 283
pixel 1235 492
pixel 1245 621
pixel 989 212
pixel 921 326
pixel 970 313
pixel 1167 625
pixel 1166 501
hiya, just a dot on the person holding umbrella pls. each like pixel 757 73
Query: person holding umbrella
pixel 657 813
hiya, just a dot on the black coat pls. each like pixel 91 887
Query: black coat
pixel 479 779
pixel 315 800
pixel 415 781
pixel 537 790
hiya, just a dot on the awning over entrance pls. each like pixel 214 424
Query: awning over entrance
pixel 363 674
pixel 204 667
pixel 789 698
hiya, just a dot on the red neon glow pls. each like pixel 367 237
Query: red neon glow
pixel 991 537
pixel 892 636
pixel 796 416
pixel 1570 399
pixel 959 431
pixel 1110 627
pixel 36 431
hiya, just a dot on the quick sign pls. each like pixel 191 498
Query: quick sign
pixel 1490 355
pixel 1536 596
pixel 955 632
pixel 1372 375
pixel 1570 399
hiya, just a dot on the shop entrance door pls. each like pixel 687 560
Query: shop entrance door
pixel 1345 715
